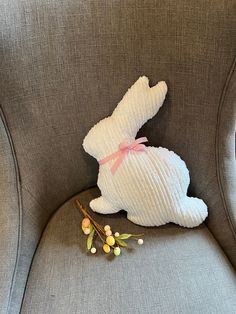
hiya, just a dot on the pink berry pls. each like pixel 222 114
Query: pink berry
pixel 108 233
pixel 85 222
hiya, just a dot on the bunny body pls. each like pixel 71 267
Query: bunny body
pixel 151 185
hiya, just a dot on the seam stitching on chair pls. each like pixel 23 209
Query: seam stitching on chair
pixel 217 146
pixel 44 230
pixel 23 187
pixel 18 190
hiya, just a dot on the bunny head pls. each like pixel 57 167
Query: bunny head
pixel 103 138
pixel 139 104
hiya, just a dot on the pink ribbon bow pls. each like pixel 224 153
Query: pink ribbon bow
pixel 124 148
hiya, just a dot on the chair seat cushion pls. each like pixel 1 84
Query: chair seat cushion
pixel 177 270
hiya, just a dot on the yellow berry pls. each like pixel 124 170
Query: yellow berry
pixel 85 222
pixel 107 227
pixel 110 240
pixel 106 248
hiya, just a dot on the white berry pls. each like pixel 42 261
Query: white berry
pixel 117 251
pixel 117 234
pixel 93 250
pixel 107 227
pixel 140 241
pixel 86 231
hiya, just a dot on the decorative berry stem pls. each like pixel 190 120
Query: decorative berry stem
pixel 111 241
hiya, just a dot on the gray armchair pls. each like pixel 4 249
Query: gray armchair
pixel 63 66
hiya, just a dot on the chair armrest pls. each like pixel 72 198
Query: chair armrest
pixel 222 196
pixel 10 217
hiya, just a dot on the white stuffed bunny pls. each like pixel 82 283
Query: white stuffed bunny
pixel 149 183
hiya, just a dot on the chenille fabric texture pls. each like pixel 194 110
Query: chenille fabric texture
pixel 150 184
pixel 64 66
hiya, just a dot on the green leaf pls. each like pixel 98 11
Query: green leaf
pixel 91 227
pixel 121 242
pixel 90 239
pixel 124 236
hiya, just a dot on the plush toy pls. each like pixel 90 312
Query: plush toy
pixel 149 183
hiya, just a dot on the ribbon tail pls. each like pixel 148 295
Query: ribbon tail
pixel 140 147
pixel 108 158
pixel 142 140
pixel 138 142
pixel 117 163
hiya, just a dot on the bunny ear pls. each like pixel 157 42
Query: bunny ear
pixel 142 80
pixel 139 104
pixel 160 87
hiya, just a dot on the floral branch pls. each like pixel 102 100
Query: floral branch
pixel 109 240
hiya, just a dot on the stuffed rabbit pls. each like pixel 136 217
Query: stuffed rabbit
pixel 149 183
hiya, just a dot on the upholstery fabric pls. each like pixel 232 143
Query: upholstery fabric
pixel 225 159
pixel 175 271
pixel 9 216
pixel 64 64
pixel 150 183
